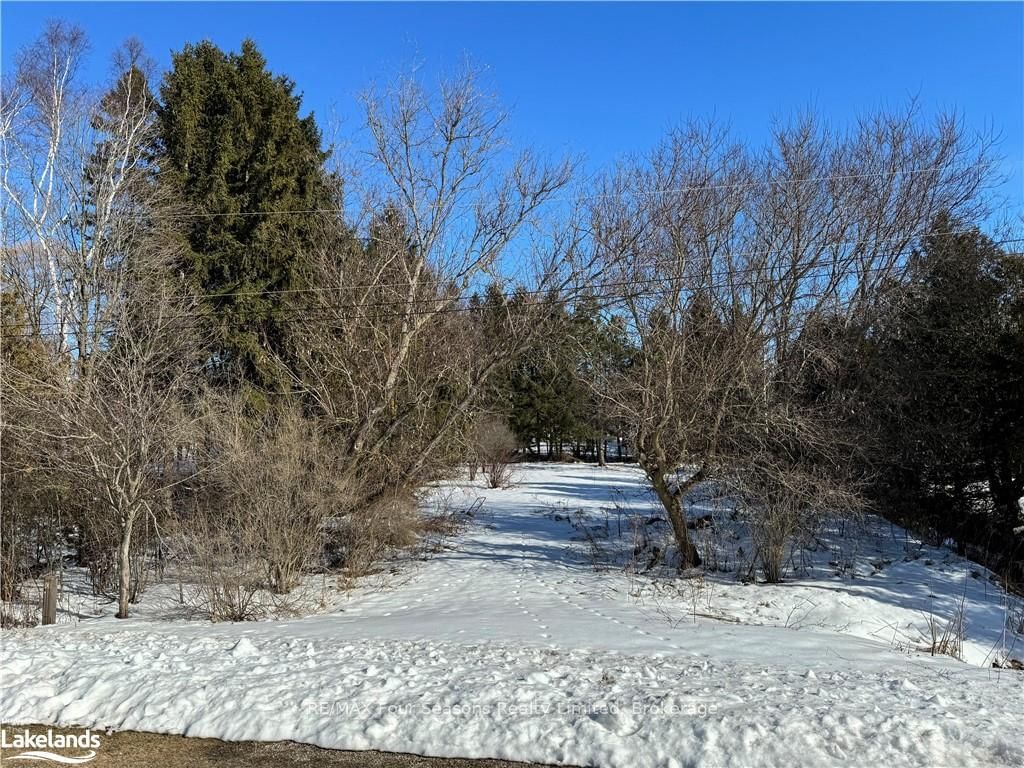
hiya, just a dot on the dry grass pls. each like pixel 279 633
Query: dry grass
pixel 946 637
pixel 18 613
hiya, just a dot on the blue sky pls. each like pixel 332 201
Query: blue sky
pixel 608 79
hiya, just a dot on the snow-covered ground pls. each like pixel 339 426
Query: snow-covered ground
pixel 528 637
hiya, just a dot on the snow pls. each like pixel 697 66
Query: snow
pixel 527 638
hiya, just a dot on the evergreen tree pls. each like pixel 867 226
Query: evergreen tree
pixel 552 392
pixel 237 151
pixel 544 396
pixel 1002 427
pixel 949 393
pixel 604 355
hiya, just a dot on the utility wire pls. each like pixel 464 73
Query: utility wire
pixel 408 308
pixel 640 193
pixel 654 263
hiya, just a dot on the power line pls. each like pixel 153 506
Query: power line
pixel 602 196
pixel 817 273
pixel 407 308
pixel 652 264
pixel 648 193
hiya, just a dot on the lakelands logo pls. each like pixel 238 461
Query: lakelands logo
pixel 38 745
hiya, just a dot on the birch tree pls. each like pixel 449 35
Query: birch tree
pixel 74 168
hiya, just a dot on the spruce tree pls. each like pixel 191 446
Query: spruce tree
pixel 251 170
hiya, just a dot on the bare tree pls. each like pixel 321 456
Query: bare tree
pixel 89 253
pixel 115 434
pixel 439 167
pixel 395 361
pixel 723 257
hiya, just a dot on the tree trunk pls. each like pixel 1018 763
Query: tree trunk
pixel 124 568
pixel 672 502
pixel 602 459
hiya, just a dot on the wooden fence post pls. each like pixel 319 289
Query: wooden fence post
pixel 50 598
